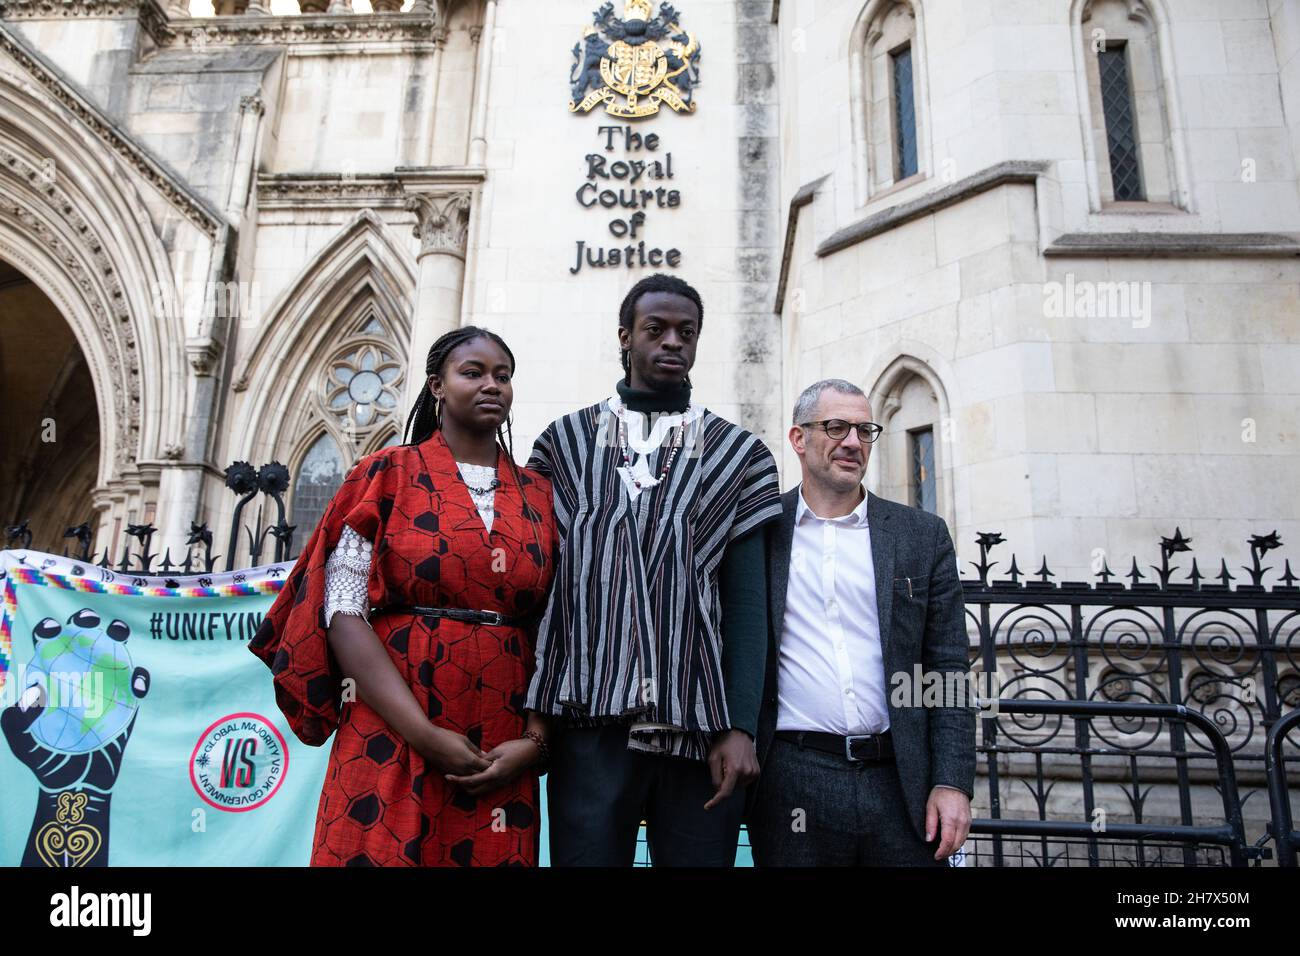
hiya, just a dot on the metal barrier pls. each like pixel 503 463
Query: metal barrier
pixel 1282 830
pixel 1054 840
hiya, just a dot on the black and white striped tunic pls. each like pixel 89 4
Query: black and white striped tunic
pixel 633 625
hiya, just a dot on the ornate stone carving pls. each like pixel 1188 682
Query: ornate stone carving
pixel 298 192
pixel 123 373
pixel 114 138
pixel 202 354
pixel 47 9
pixel 309 28
pixel 441 222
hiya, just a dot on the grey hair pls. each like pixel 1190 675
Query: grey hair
pixel 810 396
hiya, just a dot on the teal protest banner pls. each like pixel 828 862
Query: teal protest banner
pixel 138 729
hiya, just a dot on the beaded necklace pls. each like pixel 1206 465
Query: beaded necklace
pixel 675 445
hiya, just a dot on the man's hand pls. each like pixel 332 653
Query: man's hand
pixel 732 763
pixel 950 809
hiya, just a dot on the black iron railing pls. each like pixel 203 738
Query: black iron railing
pixel 1281 828
pixel 1220 665
pixel 271 480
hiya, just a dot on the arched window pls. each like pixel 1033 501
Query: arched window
pixel 887 90
pixel 1127 83
pixel 317 477
pixel 910 462
pixel 358 392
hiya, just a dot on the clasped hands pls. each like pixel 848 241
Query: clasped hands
pixel 474 771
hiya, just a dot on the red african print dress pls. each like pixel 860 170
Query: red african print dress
pixel 380 805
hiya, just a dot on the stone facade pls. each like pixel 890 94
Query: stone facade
pixel 1096 372
pixel 223 217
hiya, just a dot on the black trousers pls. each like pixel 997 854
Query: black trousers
pixel 819 809
pixel 598 792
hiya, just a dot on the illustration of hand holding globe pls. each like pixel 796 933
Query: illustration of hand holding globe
pixel 70 726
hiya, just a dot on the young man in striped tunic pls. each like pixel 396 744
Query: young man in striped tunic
pixel 651 650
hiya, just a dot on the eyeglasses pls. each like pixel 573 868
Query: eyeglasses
pixel 837 429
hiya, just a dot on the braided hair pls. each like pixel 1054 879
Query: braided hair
pixel 659 282
pixel 426 415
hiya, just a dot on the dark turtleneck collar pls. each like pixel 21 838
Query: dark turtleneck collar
pixel 674 399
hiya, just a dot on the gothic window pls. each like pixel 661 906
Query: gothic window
pixel 888 97
pixel 358 393
pixel 1128 97
pixel 904 114
pixel 360 390
pixel 1121 136
pixel 318 476
pixel 910 462
pixel 923 484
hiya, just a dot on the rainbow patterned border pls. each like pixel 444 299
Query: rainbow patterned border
pixel 22 574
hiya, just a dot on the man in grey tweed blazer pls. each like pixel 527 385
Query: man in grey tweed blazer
pixel 866 735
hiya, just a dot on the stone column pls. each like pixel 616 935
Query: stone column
pixel 251 109
pixel 482 73
pixel 442 226
pixel 424 147
pixel 180 486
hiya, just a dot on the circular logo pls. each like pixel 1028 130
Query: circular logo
pixel 239 762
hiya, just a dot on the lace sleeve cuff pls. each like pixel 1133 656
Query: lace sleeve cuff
pixel 347 576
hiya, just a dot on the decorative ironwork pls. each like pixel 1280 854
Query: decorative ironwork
pixel 1041 841
pixel 1229 656
pixel 271 479
pixel 1282 828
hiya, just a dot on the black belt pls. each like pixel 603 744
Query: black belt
pixel 455 614
pixel 855 748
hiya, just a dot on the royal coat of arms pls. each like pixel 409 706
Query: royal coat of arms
pixel 634 64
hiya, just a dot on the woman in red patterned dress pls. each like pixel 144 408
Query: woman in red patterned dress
pixel 446 546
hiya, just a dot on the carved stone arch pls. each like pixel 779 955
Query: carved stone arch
pixel 891 404
pixel 361 271
pixel 71 212
pixel 864 114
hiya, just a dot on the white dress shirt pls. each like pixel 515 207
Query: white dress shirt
pixel 831 670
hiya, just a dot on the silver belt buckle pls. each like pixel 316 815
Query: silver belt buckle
pixel 496 617
pixel 848 746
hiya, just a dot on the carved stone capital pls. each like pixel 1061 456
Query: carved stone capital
pixel 202 354
pixel 441 222
pixel 252 104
